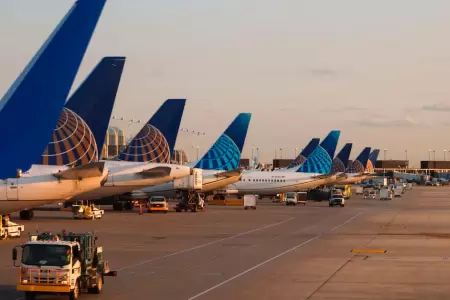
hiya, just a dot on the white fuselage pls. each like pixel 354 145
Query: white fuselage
pixel 272 183
pixel 125 177
pixel 210 182
pixel 38 186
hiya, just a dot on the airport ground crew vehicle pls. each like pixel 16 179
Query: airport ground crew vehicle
pixel 250 201
pixel 9 229
pixel 63 264
pixel 346 190
pixel 295 198
pixel 89 212
pixel 158 203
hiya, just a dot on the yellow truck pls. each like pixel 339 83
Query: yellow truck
pixel 346 191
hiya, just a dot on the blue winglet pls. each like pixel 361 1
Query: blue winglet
pixel 340 162
pixel 306 152
pixel 80 133
pixel 320 161
pixel 34 102
pixel 359 164
pixel 372 161
pixel 225 154
pixel 156 140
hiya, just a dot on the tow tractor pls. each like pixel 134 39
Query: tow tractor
pixel 9 229
pixel 61 264
pixel 90 212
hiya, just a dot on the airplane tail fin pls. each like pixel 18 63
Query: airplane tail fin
pixel 340 162
pixel 358 165
pixel 156 140
pixel 34 102
pixel 94 100
pixel 306 152
pixel 371 162
pixel 321 158
pixel 80 133
pixel 225 154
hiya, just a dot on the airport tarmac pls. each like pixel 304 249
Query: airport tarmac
pixel 273 252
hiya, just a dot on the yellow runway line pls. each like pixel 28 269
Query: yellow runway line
pixel 368 251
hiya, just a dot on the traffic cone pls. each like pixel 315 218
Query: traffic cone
pixel 140 210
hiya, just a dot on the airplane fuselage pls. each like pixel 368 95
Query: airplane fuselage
pixel 272 183
pixel 40 186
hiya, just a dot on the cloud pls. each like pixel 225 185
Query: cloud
pixel 441 107
pixel 343 108
pixel 380 122
pixel 321 72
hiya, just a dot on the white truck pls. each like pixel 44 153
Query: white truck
pixel 359 190
pixel 61 264
pixel 250 201
pixel 385 194
pixel 398 191
pixel 9 229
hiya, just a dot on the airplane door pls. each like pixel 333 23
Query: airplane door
pixel 12 189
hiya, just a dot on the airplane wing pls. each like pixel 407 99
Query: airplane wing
pixel 89 170
pixel 323 176
pixel 341 176
pixel 231 173
pixel 156 172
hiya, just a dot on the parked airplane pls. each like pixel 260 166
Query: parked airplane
pixel 32 106
pixel 340 165
pixel 220 164
pixel 146 160
pixel 306 152
pixel 355 172
pixel 312 173
pixel 372 161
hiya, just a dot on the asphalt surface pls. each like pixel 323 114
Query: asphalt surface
pixel 273 252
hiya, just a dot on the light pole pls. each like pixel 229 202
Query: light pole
pixel 252 165
pixel 444 153
pixel 429 155
pixel 281 153
pixel 295 153
pixel 385 154
pixel 434 155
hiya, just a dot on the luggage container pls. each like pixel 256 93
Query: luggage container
pixel 250 201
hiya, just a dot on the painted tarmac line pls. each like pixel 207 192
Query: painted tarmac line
pixel 203 245
pixel 269 260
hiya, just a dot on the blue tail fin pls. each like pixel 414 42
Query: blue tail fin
pixel 94 100
pixel 358 165
pixel 80 133
pixel 340 162
pixel 372 161
pixel 225 154
pixel 306 152
pixel 156 140
pixel 321 159
pixel 34 102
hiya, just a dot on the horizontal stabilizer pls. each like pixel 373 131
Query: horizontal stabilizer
pixel 94 169
pixel 229 174
pixel 157 172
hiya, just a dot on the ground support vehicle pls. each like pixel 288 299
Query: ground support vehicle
pixel 9 229
pixel 87 212
pixel 295 198
pixel 337 200
pixel 63 264
pixel 250 201
pixel 385 194
pixel 158 204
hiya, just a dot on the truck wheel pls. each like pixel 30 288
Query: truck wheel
pixel 30 296
pixel 98 288
pixel 75 292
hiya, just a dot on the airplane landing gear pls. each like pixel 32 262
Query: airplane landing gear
pixel 26 214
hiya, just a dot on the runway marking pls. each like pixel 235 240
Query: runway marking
pixel 368 251
pixel 269 260
pixel 204 245
pixel 349 220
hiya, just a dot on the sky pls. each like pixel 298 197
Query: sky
pixel 376 70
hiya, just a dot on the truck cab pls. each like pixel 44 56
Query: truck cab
pixel 158 203
pixel 63 264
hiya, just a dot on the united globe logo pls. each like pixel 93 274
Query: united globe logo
pixel 149 145
pixel 72 143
